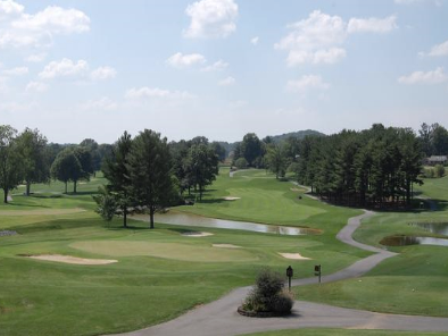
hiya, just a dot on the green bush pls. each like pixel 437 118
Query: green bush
pixel 281 303
pixel 241 163
pixel 439 170
pixel 267 294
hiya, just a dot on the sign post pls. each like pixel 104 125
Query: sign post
pixel 289 274
pixel 318 272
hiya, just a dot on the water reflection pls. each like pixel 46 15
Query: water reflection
pixel 436 228
pixel 411 240
pixel 186 219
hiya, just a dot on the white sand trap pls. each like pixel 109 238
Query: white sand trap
pixel 294 256
pixel 231 198
pixel 231 246
pixel 197 234
pixel 71 260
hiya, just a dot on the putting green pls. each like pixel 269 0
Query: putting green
pixel 255 201
pixel 176 251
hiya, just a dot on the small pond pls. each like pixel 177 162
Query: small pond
pixel 187 219
pixel 411 240
pixel 433 227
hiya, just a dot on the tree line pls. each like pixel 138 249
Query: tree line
pixel 149 173
pixel 27 158
pixel 376 167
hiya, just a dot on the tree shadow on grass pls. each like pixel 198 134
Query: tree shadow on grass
pixel 213 201
pixel 82 193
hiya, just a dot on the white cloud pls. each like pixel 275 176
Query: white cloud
pixel 437 50
pixel 255 40
pixel 372 25
pixel 329 56
pixel 227 81
pixel 217 66
pixel 420 77
pixel 10 8
pixel 65 68
pixel 147 92
pixel 103 73
pixel 36 87
pixel 319 39
pixel 36 58
pixel 102 104
pixel 211 18
pixel 21 29
pixel 76 70
pixel 315 40
pixel 19 71
pixel 179 60
pixel 306 83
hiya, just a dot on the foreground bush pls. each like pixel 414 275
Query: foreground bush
pixel 268 295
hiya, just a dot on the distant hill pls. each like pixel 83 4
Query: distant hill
pixel 276 138
pixel 299 135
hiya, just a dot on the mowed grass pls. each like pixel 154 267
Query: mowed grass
pixel 264 199
pixel 414 282
pixel 342 332
pixel 160 273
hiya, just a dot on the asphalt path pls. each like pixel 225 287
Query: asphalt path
pixel 220 318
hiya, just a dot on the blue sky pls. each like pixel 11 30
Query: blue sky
pixel 221 68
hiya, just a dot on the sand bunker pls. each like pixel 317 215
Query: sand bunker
pixel 71 260
pixel 196 234
pixel 231 198
pixel 226 246
pixel 294 256
pixel 296 189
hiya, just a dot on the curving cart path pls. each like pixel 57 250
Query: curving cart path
pixel 220 318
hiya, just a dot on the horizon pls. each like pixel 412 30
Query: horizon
pixel 221 68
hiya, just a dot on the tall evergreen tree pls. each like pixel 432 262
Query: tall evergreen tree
pixel 150 172
pixel 116 171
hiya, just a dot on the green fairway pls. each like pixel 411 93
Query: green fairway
pixel 412 282
pixel 160 273
pixel 342 332
pixel 168 250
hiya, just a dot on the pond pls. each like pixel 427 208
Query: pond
pixel 411 240
pixel 187 219
pixel 433 227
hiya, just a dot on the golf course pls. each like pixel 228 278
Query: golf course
pixel 63 268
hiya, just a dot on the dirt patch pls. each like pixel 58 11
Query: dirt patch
pixel 296 189
pixel 226 246
pixel 294 256
pixel 231 198
pixel 40 212
pixel 197 234
pixel 71 260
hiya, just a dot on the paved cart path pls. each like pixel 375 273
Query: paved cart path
pixel 220 318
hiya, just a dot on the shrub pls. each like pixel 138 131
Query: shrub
pixel 281 303
pixel 439 170
pixel 267 294
pixel 241 163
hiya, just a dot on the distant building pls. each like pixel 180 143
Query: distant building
pixel 436 159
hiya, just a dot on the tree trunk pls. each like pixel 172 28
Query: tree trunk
pixel 74 186
pixel 65 187
pixel 5 197
pixel 125 212
pixel 408 192
pixel 28 188
pixel 151 218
